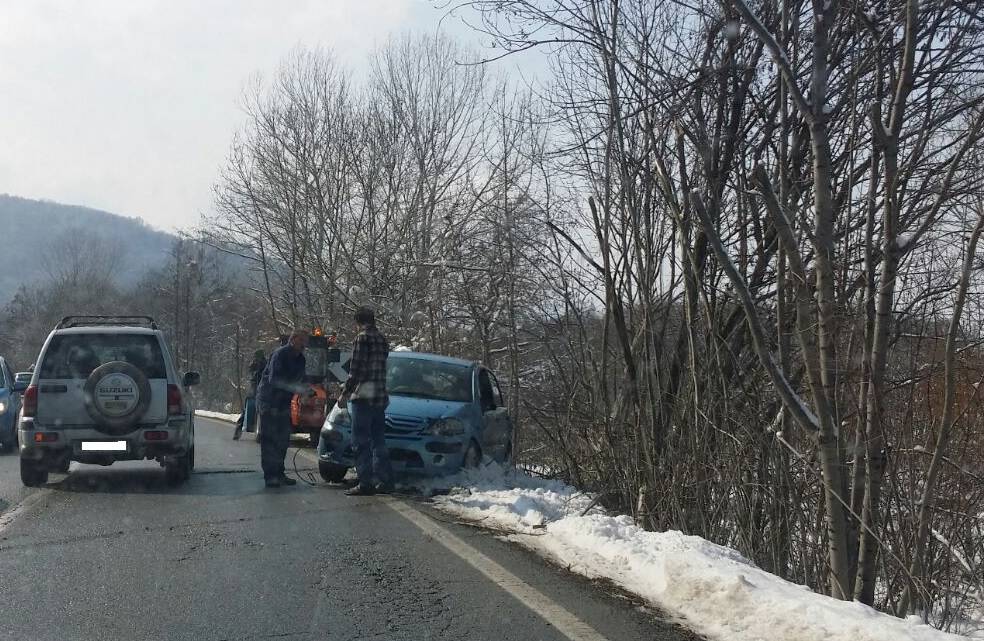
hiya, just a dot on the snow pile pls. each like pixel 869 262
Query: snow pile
pixel 219 416
pixel 710 588
pixel 505 498
pixel 402 348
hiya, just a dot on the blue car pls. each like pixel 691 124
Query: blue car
pixel 444 414
pixel 10 392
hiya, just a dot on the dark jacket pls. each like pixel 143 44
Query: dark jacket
pixel 281 379
pixel 367 368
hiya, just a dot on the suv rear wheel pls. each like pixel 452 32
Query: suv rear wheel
pixel 33 473
pixel 179 470
pixel 117 395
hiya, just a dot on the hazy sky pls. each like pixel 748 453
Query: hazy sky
pixel 130 105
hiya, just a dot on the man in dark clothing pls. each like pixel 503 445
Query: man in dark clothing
pixel 282 378
pixel 255 374
pixel 366 387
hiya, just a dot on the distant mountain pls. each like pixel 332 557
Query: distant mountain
pixel 29 229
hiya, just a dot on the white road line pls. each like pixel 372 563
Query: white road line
pixel 542 605
pixel 548 609
pixel 7 518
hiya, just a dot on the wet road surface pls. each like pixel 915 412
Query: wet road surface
pixel 115 553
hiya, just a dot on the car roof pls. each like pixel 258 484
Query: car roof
pixel 108 329
pixel 437 358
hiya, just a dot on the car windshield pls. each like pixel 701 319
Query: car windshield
pixel 75 356
pixel 423 378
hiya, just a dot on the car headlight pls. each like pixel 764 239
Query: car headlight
pixel 3 406
pixel 446 427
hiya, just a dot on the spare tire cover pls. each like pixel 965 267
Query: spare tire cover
pixel 117 396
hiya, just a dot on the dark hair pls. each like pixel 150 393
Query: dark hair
pixel 365 316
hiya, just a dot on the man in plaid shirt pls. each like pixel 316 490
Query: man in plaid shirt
pixel 366 387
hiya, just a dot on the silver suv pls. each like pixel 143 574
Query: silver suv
pixel 105 389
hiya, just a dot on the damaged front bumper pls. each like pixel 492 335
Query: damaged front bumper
pixel 410 455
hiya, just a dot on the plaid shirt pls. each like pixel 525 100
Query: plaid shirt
pixel 367 369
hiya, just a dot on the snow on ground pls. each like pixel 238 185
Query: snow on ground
pixel 230 418
pixel 709 588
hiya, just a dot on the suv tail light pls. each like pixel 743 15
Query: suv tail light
pixel 30 401
pixel 174 401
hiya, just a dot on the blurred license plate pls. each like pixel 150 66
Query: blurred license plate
pixel 103 446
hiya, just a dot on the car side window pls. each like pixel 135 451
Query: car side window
pixel 485 390
pixel 4 375
pixel 497 391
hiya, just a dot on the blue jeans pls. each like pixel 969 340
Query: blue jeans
pixel 368 434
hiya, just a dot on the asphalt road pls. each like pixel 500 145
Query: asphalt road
pixel 114 553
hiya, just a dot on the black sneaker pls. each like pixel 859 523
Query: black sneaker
pixel 359 490
pixel 385 488
pixel 273 483
pixel 286 480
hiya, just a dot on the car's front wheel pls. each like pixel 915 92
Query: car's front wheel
pixel 331 472
pixel 33 473
pixel 473 456
pixel 9 444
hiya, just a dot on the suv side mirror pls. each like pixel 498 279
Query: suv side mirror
pixel 192 378
pixel 19 387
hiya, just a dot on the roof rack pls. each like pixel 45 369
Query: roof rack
pixel 96 321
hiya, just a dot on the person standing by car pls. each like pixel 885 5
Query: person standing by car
pixel 366 387
pixel 255 374
pixel 281 379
